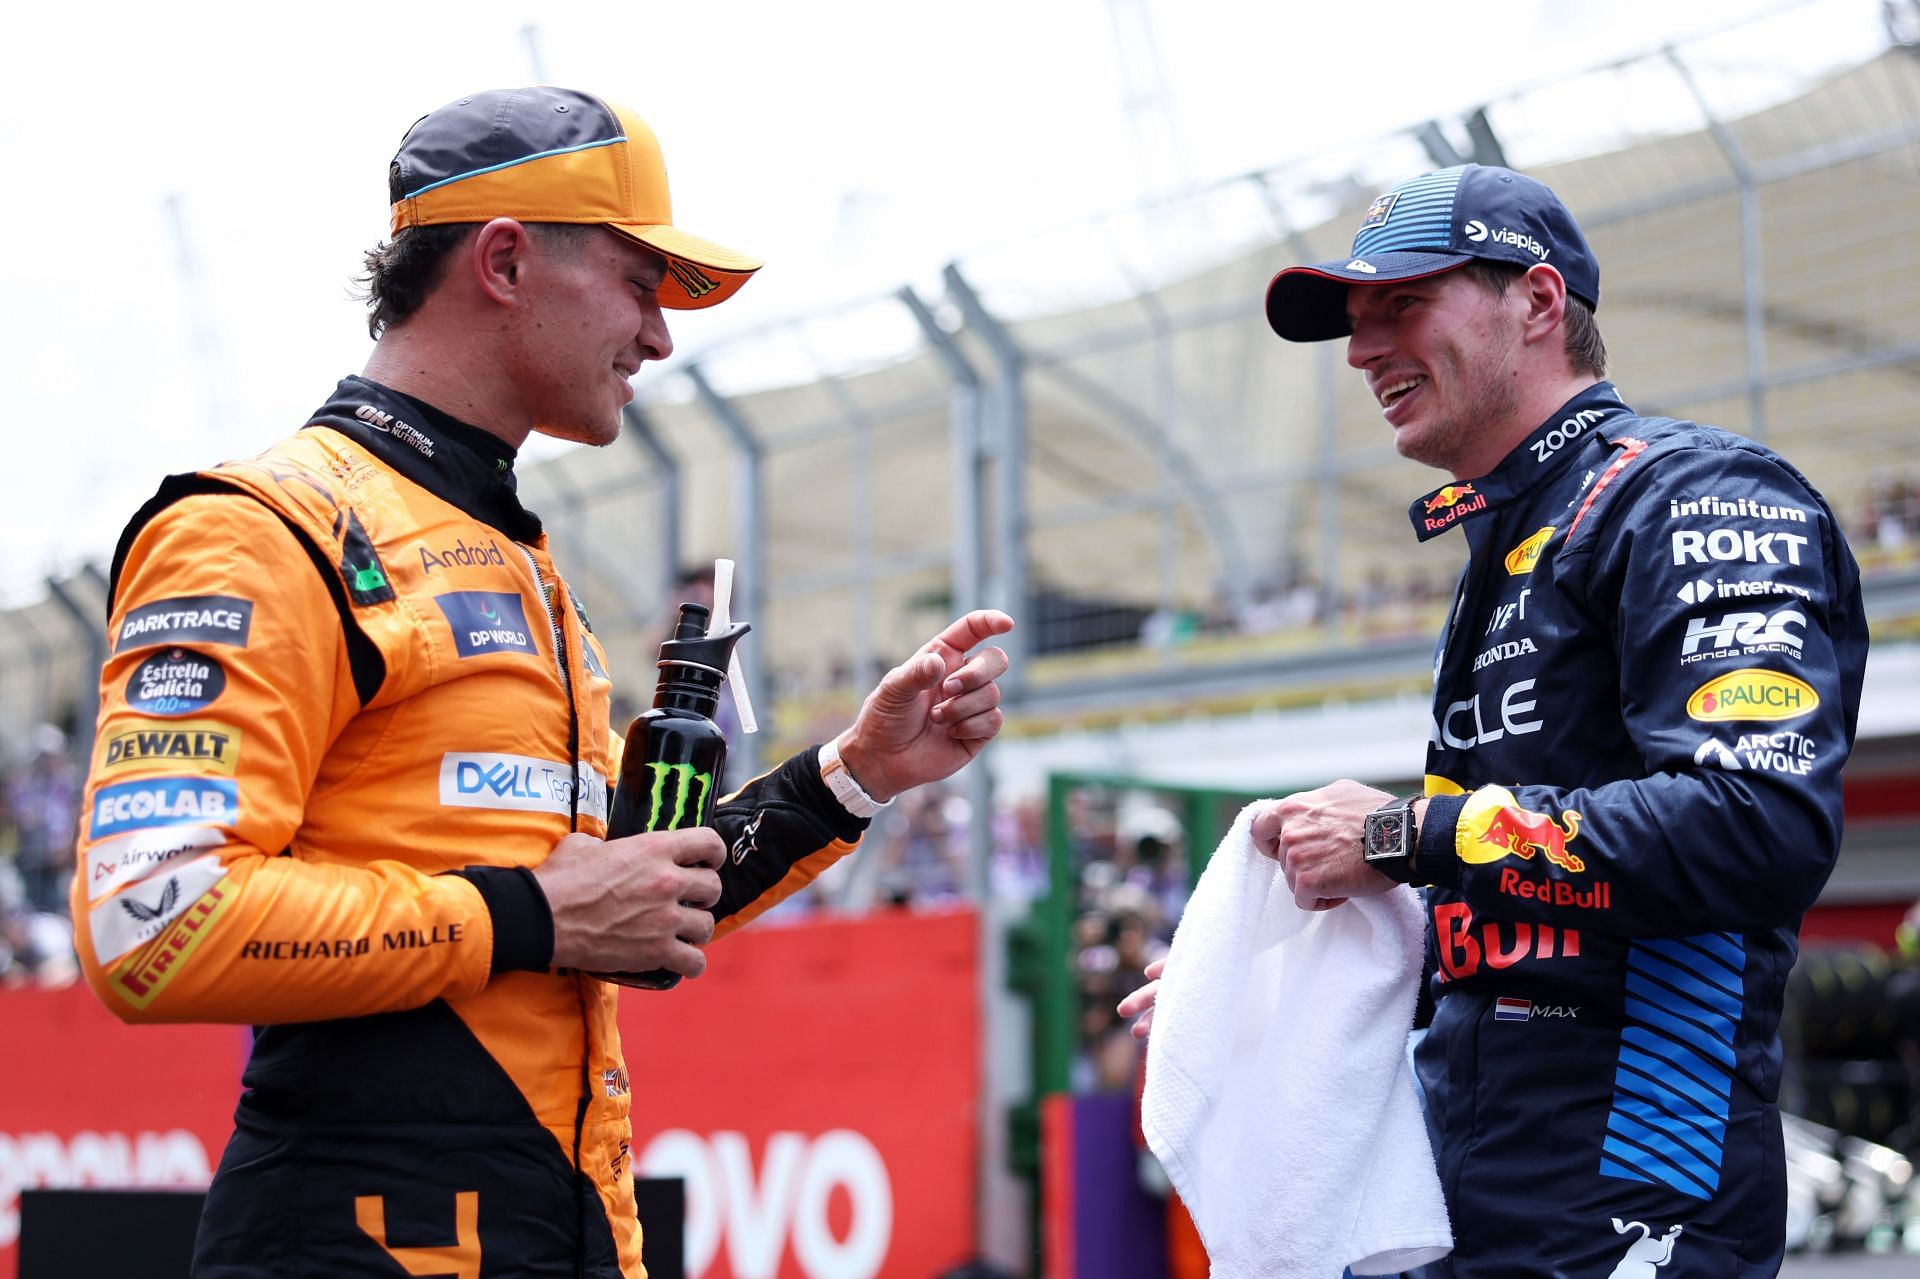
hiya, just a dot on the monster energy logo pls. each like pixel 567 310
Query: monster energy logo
pixel 687 775
pixel 697 284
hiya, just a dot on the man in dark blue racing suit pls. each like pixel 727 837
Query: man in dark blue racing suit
pixel 1645 692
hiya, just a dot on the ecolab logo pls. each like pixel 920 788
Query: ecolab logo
pixel 1477 231
pixel 29 1160
pixel 786 1206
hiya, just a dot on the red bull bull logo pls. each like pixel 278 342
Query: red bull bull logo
pixel 1447 506
pixel 1493 825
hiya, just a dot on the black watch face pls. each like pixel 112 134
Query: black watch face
pixel 1386 834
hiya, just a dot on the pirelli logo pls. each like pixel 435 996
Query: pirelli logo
pixel 171 746
pixel 146 973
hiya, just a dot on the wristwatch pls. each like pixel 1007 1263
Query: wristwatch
pixel 845 787
pixel 1389 838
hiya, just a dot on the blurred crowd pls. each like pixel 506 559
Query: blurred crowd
pixel 39 812
pixel 1888 524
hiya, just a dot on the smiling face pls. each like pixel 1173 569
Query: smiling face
pixel 592 317
pixel 1442 357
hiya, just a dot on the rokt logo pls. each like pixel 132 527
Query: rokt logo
pixel 1690 546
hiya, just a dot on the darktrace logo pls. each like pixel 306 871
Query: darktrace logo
pixel 187 619
pixel 678 797
pixel 176 682
pixel 486 622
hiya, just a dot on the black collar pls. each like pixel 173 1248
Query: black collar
pixel 1543 454
pixel 455 461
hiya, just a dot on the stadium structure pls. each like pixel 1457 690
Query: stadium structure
pixel 1201 529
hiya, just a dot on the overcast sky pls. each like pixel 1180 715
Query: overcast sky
pixel 856 144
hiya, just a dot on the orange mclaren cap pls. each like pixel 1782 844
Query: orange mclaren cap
pixel 556 155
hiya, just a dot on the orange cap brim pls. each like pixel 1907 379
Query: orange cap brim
pixel 700 273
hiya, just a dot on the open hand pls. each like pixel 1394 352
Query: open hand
pixel 932 713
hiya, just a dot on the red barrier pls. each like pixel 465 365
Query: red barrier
pixel 817 1089
pixel 88 1101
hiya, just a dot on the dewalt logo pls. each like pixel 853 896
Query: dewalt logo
pixel 201 747
pixel 679 796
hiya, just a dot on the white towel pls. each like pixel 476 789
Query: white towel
pixel 1279 1096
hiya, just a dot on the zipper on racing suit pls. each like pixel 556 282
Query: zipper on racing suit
pixel 581 1185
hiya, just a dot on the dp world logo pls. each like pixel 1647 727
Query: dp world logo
pixel 1475 230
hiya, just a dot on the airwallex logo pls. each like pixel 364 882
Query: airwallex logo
pixel 520 782
pixel 486 622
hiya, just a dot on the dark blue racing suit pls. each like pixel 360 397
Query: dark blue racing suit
pixel 1646 690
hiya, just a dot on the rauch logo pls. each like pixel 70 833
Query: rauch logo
pixel 1752 694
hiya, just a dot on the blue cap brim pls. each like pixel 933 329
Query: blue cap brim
pixel 1309 303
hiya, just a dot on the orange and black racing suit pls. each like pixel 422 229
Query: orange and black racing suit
pixel 349 704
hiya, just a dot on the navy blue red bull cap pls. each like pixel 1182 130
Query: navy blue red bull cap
pixel 1438 221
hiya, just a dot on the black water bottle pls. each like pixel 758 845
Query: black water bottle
pixel 676 753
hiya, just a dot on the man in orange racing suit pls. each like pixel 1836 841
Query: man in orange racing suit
pixel 355 750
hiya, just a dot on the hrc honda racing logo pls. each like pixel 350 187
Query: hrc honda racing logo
pixel 520 783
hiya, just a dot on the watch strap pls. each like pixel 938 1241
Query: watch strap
pixel 852 796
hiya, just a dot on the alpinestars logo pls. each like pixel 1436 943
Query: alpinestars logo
pixel 749 841
pixel 673 792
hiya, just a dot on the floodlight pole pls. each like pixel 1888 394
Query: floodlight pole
pixel 750 548
pixel 1752 275
pixel 93 638
pixel 1000 1197
pixel 1003 438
